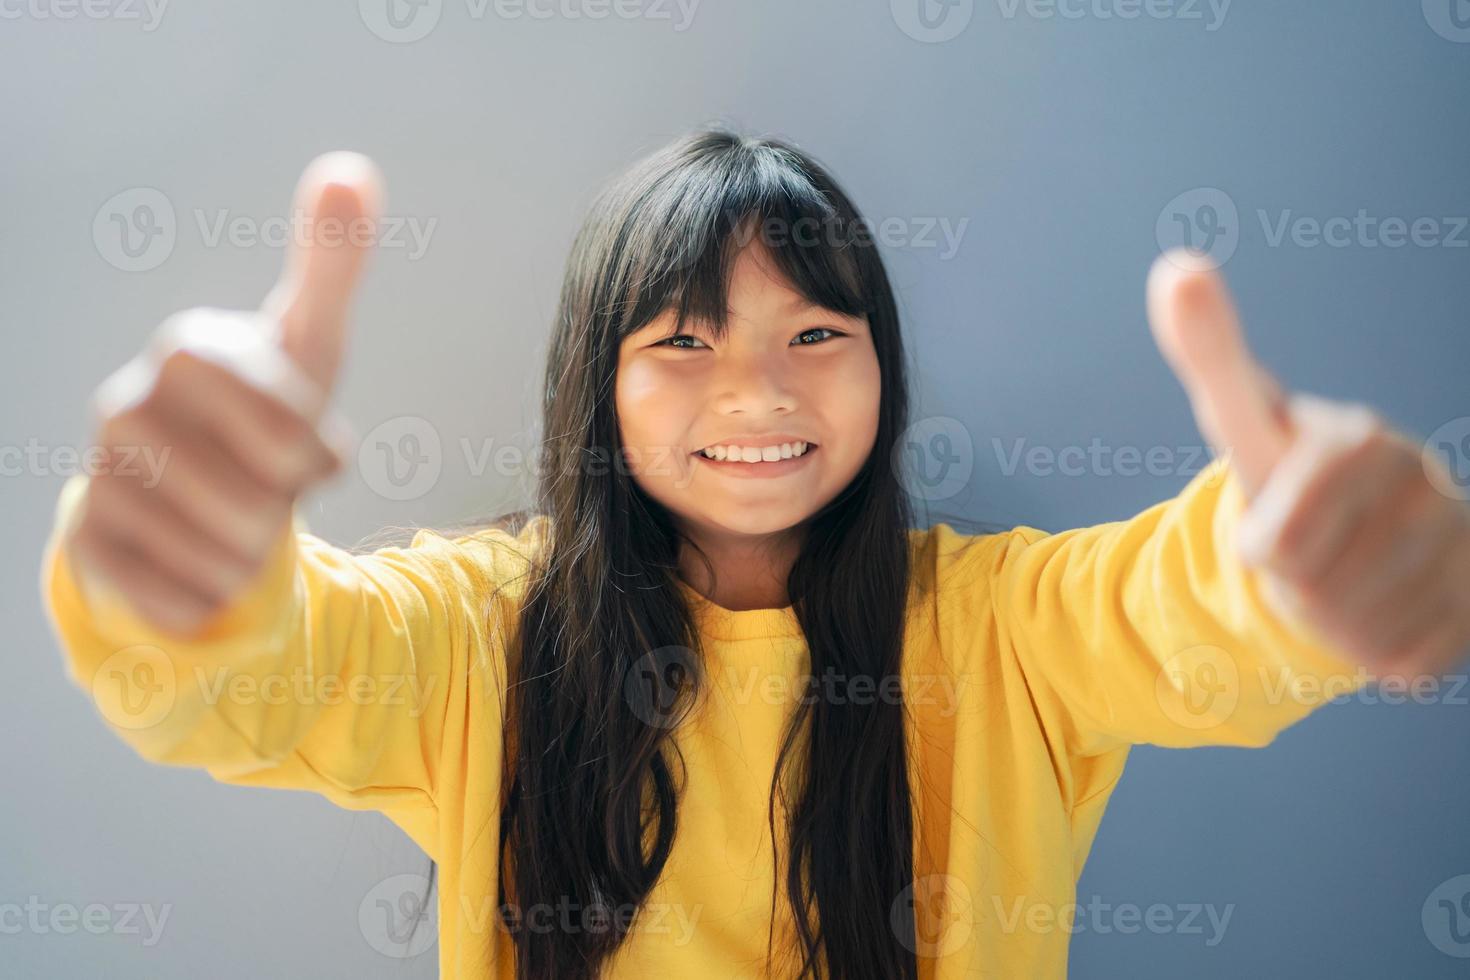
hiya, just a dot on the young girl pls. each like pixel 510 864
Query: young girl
pixel 716 708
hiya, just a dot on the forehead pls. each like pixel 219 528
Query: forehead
pixel 759 289
pixel 756 277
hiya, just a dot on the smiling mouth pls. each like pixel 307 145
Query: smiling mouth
pixel 754 455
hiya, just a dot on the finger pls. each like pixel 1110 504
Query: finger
pixel 244 342
pixel 337 199
pixel 200 481
pixel 1442 649
pixel 1402 617
pixel 1323 433
pixel 143 522
pixel 156 596
pixel 1357 500
pixel 274 444
pixel 1406 529
pixel 1237 404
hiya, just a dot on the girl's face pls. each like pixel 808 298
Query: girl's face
pixel 786 372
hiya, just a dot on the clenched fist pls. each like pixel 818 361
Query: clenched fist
pixel 1352 524
pixel 234 405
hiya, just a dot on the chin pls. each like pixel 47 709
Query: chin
pixel 754 521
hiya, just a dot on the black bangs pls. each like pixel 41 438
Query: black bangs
pixel 703 200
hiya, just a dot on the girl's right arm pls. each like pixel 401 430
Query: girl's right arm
pixel 210 628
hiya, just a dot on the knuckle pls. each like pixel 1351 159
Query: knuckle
pixel 88 545
pixel 281 470
pixel 155 399
pixel 297 463
pixel 285 435
pixel 234 582
pixel 127 426
pixel 229 575
pixel 1309 597
pixel 218 592
pixel 179 365
pixel 1292 535
pixel 105 517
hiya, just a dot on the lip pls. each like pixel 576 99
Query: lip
pixel 758 471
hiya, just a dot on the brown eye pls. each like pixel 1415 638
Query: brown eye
pixel 816 330
pixel 668 341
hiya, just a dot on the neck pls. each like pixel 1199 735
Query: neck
pixel 750 571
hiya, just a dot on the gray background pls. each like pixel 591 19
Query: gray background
pixel 1060 139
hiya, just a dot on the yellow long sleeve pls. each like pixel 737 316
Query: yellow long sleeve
pixel 348 675
pixel 1153 630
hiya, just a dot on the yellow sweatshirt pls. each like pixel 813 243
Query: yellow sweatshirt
pixel 1032 662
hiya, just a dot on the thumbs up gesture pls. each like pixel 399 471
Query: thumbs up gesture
pixel 1349 525
pixel 232 408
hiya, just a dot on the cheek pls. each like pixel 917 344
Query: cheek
pixel 851 405
pixel 650 408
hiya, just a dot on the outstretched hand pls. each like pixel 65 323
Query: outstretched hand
pixel 1352 524
pixel 236 407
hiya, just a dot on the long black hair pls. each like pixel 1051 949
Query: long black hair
pixel 592 772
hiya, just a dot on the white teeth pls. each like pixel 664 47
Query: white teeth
pixel 755 454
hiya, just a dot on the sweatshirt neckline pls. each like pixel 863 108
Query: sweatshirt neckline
pixel 721 623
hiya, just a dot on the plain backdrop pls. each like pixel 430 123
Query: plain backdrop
pixel 1062 143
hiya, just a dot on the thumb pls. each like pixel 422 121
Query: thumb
pixel 1238 405
pixel 334 223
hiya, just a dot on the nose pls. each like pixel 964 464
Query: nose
pixel 754 384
